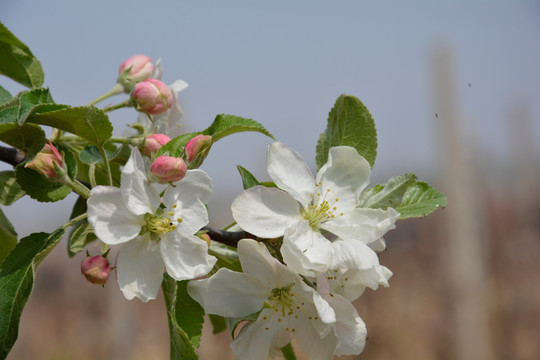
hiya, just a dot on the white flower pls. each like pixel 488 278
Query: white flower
pixel 156 232
pixel 351 283
pixel 322 226
pixel 349 328
pixel 288 307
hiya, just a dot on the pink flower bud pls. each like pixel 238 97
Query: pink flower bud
pixel 168 168
pixel 152 96
pixel 44 160
pixel 138 67
pixel 96 269
pixel 200 144
pixel 154 142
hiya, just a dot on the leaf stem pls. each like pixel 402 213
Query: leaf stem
pixel 74 221
pixel 106 162
pixel 126 103
pixel 117 89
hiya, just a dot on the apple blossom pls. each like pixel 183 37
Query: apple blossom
pixel 152 96
pixel 96 269
pixel 168 168
pixel 198 147
pixel 154 142
pixel 155 232
pixel 44 161
pixel 287 307
pixel 322 226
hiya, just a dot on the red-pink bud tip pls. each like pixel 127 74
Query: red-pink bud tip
pixel 138 67
pixel 168 168
pixel 44 161
pixel 154 142
pixel 152 96
pixel 96 269
pixel 198 145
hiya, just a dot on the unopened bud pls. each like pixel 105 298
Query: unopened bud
pixel 154 142
pixel 44 161
pixel 206 238
pixel 198 146
pixel 96 269
pixel 152 96
pixel 137 68
pixel 168 168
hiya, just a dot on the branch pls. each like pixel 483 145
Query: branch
pixel 11 156
pixel 230 238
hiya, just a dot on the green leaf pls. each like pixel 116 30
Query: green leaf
pixel 5 96
pixel 91 155
pixel 419 200
pixel 222 126
pixel 387 195
pixel 248 180
pixel 8 115
pixel 183 332
pixel 218 323
pixel 17 61
pixel 81 235
pixel 8 236
pixel 88 122
pixel 225 125
pixel 40 188
pixel 36 101
pixel 28 138
pixel 17 274
pixel 10 191
pixel 351 124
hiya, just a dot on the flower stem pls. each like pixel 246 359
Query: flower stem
pixel 106 162
pixel 126 103
pixel 74 221
pixel 288 352
pixel 117 89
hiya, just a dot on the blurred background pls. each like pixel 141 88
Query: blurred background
pixel 453 88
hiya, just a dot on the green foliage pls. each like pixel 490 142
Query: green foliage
pixel 218 323
pixel 91 155
pixel 420 200
pixel 351 124
pixel 17 61
pixel 248 180
pixel 81 235
pixel 88 122
pixel 185 317
pixel 10 191
pixel 233 322
pixel 8 236
pixel 17 281
pixel 28 138
pixel 36 101
pixel 411 198
pixel 387 195
pixel 223 125
pixel 40 188
pixel 5 96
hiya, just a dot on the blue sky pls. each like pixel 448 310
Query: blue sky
pixel 283 63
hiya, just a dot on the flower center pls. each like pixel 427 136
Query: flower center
pixel 161 222
pixel 282 300
pixel 321 209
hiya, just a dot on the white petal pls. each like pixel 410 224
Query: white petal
pixel 310 342
pixel 194 217
pixel 229 293
pixel 256 339
pixel 352 254
pixel 257 261
pixel 178 86
pixel 167 123
pixel 378 245
pixel 304 249
pixel 265 212
pixel 139 269
pixel 349 329
pixel 345 168
pixel 366 225
pixel 185 255
pixel 290 172
pixel 195 185
pixel 112 222
pixel 139 196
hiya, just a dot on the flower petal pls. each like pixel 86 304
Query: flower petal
pixel 138 194
pixel 310 342
pixel 305 250
pixel 352 283
pixel 111 220
pixel 256 338
pixel 139 269
pixel 265 212
pixel 290 172
pixel 196 185
pixel 366 225
pixel 229 293
pixel 352 254
pixel 185 255
pixel 257 261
